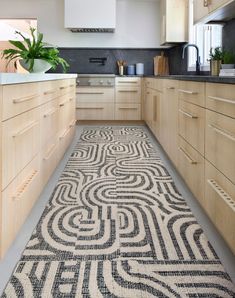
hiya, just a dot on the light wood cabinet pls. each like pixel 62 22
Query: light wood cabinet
pixel 95 111
pixel 34 137
pixel 174 12
pixel 193 92
pixel 95 95
pixel 127 111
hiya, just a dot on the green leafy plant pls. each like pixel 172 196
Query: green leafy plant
pixel 34 49
pixel 228 57
pixel 216 53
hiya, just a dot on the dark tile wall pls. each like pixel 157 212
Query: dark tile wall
pixel 78 58
pixel 229 35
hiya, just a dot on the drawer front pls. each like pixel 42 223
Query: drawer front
pixel 95 111
pixel 21 143
pixel 149 82
pixel 127 81
pixel 17 201
pixel 154 83
pixel 91 94
pixel 127 112
pixel 66 86
pixel 220 203
pixel 65 140
pixel 193 92
pixel 49 160
pixel 49 91
pixel 191 166
pixel 20 98
pixel 192 124
pixel 49 122
pixel 220 143
pixel 221 98
pixel 128 95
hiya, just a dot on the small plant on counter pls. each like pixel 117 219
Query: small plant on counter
pixel 30 50
pixel 216 54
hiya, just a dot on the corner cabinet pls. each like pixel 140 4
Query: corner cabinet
pixel 37 125
pixel 174 21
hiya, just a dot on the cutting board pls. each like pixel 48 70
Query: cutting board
pixel 161 65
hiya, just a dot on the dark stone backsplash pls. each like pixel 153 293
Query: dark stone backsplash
pixel 229 35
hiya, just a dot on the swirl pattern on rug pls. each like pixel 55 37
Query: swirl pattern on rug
pixel 116 226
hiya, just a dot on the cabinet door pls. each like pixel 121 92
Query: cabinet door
pixel 200 10
pixel 217 4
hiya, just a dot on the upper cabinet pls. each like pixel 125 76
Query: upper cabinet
pixel 174 21
pixel 213 10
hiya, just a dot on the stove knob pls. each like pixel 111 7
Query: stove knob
pixel 101 82
pixel 109 82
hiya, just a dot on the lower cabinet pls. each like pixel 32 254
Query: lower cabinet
pixel 125 111
pixel 95 111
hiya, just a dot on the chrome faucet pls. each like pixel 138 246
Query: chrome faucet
pixel 198 57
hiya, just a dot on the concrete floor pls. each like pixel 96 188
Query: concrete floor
pixel 10 260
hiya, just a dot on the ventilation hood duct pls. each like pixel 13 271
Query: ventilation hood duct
pixel 90 15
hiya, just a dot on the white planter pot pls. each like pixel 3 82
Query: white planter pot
pixel 40 66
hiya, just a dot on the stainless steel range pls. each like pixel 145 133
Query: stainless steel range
pixel 96 80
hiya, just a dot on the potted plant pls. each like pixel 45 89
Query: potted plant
pixel 228 60
pixel 216 56
pixel 36 56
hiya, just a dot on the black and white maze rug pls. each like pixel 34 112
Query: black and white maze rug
pixel 116 226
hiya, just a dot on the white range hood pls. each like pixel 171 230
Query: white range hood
pixel 90 15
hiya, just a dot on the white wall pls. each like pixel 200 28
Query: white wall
pixel 138 23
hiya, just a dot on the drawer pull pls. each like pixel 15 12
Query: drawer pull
pixel 135 91
pixel 219 190
pixel 72 85
pixel 125 82
pixel 26 98
pixel 170 88
pixel 155 108
pixel 50 152
pixel 127 108
pixel 49 113
pixel 186 154
pixel 187 114
pixel 79 92
pixel 63 103
pixel 49 92
pixel 148 92
pixel 64 87
pixel 222 99
pixel 90 108
pixel 25 129
pixel 222 132
pixel 24 185
pixel 72 123
pixel 188 92
pixel 64 134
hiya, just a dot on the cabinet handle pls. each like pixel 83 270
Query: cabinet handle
pixel 188 114
pixel 63 103
pixel 64 87
pixel 127 108
pixel 125 82
pixel 64 134
pixel 187 92
pixel 49 113
pixel 223 194
pixel 222 99
pixel 155 108
pixel 49 92
pixel 79 92
pixel 72 123
pixel 135 91
pixel 205 3
pixel 72 85
pixel 24 185
pixel 50 152
pixel 148 92
pixel 170 88
pixel 186 154
pixel 25 129
pixel 26 98
pixel 90 108
pixel 222 132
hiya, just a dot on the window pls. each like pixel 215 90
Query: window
pixel 205 37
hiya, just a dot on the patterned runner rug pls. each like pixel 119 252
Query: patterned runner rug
pixel 116 226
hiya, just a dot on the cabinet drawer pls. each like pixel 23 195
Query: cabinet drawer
pixel 49 122
pixel 127 112
pixel 220 203
pixel 221 98
pixel 91 94
pixel 149 83
pixel 127 81
pixel 20 98
pixel 128 95
pixel 191 166
pixel 49 91
pixel 95 111
pixel 193 92
pixel 49 160
pixel 66 86
pixel 21 143
pixel 191 124
pixel 17 201
pixel 220 143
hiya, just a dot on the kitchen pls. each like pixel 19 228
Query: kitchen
pixel 120 185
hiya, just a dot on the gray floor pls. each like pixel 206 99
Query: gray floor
pixel 8 263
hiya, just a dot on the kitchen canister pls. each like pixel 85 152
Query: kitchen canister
pixel 139 69
pixel 130 70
